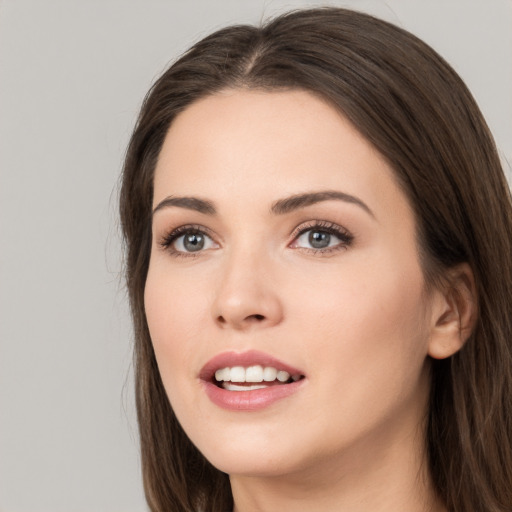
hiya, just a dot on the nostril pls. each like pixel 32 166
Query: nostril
pixel 241 321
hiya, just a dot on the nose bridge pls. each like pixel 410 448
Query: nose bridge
pixel 246 294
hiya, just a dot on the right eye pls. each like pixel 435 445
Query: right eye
pixel 187 241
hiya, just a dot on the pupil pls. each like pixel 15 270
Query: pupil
pixel 319 239
pixel 193 242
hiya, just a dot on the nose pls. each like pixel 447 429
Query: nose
pixel 247 296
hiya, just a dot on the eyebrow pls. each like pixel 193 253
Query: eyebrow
pixel 280 207
pixel 298 201
pixel 190 203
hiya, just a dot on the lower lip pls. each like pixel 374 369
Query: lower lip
pixel 254 400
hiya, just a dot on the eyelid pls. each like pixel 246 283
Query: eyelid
pixel 323 225
pixel 343 234
pixel 166 240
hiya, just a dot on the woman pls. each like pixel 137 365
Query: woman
pixel 319 254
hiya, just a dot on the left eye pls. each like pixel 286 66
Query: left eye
pixel 193 241
pixel 319 239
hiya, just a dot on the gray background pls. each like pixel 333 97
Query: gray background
pixel 72 76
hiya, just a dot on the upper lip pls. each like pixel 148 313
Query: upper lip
pixel 245 359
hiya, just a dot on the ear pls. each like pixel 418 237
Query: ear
pixel 454 313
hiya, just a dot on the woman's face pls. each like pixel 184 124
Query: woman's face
pixel 282 243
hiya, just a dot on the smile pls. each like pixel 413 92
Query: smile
pixel 253 377
pixel 248 381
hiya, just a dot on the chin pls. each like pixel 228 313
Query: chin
pixel 256 451
pixel 252 464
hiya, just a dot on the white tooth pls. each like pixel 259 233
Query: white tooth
pixel 254 374
pixel 234 387
pixel 282 376
pixel 237 374
pixel 295 378
pixel 269 374
pixel 222 374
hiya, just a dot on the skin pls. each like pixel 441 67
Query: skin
pixel 356 319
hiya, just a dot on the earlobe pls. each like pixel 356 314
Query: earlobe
pixel 454 313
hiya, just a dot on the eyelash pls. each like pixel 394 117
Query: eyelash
pixel 168 240
pixel 345 237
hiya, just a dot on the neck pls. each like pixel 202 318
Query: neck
pixel 386 476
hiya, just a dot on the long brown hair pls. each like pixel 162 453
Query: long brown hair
pixel 410 104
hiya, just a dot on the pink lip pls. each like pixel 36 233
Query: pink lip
pixel 247 400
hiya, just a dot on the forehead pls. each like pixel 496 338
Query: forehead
pixel 262 144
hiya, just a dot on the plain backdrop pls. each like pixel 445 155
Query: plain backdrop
pixel 72 76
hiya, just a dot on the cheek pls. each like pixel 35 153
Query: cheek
pixel 370 317
pixel 171 307
pixel 175 310
pixel 364 337
pixel 174 300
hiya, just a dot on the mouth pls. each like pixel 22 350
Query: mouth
pixel 249 381
pixel 238 378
